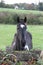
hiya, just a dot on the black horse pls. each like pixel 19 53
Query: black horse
pixel 22 39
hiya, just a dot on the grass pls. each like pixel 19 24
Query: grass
pixel 7 34
pixel 21 11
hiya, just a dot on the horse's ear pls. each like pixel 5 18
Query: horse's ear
pixel 18 19
pixel 25 19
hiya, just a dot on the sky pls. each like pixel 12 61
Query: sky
pixel 22 1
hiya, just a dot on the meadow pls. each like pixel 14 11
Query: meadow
pixel 7 34
pixel 21 11
pixel 7 31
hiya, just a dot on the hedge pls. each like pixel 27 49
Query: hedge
pixel 11 18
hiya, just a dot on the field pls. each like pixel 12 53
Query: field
pixel 7 34
pixel 7 31
pixel 21 11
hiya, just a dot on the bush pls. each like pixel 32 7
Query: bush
pixel 33 19
pixel 11 18
pixel 41 20
pixel 6 18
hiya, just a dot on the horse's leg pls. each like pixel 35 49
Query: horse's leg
pixel 26 47
pixel 14 42
pixel 29 40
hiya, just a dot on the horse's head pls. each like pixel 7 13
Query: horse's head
pixel 21 30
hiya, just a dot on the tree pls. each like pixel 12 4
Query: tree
pixel 2 4
pixel 41 6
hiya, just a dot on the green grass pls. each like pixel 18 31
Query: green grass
pixel 21 11
pixel 7 34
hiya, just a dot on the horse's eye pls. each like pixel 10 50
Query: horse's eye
pixel 18 28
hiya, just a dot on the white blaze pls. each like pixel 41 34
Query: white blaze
pixel 22 26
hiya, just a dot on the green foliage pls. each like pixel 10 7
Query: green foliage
pixel 23 6
pixel 33 19
pixel 41 19
pixel 41 6
pixel 11 17
pixel 6 18
pixel 3 5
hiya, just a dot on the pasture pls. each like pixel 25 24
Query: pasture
pixel 21 11
pixel 7 34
